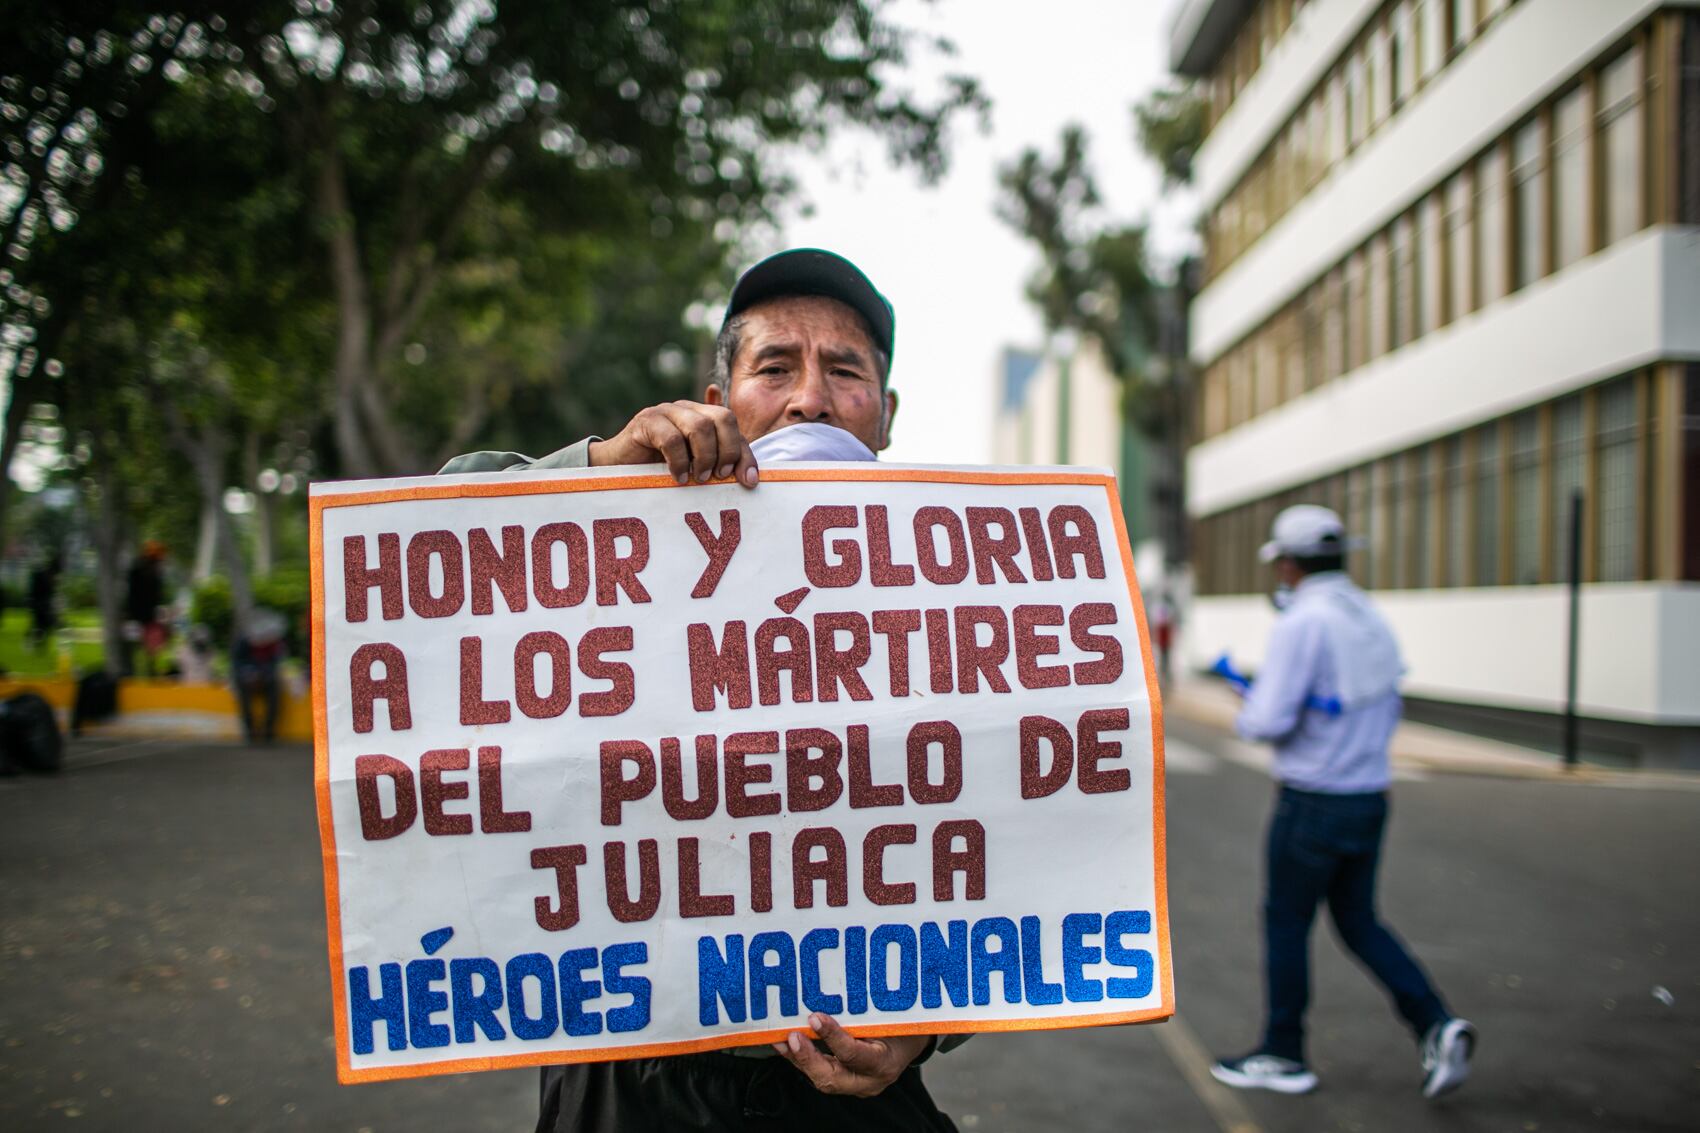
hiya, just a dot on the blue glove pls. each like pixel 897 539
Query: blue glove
pixel 1224 668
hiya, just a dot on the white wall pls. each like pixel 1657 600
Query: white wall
pixel 1094 414
pixel 1636 302
pixel 1095 418
pixel 1525 56
pixel 1505 646
pixel 1040 409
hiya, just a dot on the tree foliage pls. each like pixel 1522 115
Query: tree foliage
pixel 1096 279
pixel 1170 126
pixel 357 236
pixel 1093 278
pixel 503 207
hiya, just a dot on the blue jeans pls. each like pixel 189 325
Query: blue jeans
pixel 1326 847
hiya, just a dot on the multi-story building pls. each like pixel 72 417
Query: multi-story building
pixel 1062 405
pixel 1452 279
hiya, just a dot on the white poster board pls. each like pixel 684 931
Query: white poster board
pixel 608 767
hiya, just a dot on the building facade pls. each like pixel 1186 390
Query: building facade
pixel 1452 281
pixel 1063 405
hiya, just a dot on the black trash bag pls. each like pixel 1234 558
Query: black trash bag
pixel 29 734
pixel 97 700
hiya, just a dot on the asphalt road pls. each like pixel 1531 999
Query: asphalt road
pixel 162 964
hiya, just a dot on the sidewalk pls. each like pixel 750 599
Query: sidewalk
pixel 1430 750
pixel 166 709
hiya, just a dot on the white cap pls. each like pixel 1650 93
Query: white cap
pixel 1304 531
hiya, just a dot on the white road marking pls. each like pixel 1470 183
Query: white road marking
pixel 1182 758
pixel 1187 1053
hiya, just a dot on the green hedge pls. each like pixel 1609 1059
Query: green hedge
pixel 286 591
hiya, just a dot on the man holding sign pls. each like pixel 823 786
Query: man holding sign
pixel 952 754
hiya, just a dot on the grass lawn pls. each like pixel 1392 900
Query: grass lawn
pixel 18 658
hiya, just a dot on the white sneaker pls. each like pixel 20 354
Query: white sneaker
pixel 1446 1056
pixel 1264 1072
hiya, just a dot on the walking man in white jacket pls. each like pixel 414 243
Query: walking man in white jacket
pixel 1327 698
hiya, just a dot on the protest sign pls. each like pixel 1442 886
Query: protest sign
pixel 608 767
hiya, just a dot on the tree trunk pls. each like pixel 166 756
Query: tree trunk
pixel 206 543
pixel 22 393
pixel 206 449
pixel 368 440
pixel 108 538
pixel 265 510
pixel 207 457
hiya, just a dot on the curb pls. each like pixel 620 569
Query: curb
pixel 1437 751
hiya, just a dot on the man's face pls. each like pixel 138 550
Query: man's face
pixel 807 358
pixel 1287 572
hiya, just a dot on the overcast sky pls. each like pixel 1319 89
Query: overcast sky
pixel 953 271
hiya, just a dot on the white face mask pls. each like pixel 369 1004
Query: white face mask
pixel 1281 597
pixel 810 440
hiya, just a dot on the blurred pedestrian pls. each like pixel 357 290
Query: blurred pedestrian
pixel 254 665
pixel 1163 633
pixel 144 625
pixel 1327 698
pixel 194 657
pixel 44 592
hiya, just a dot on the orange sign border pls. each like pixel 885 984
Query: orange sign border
pixel 349 1075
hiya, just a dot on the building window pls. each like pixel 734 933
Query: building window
pixel 1460 244
pixel 1355 311
pixel 1357 518
pixel 1378 297
pixel 1568 469
pixel 1378 78
pixel 1615 457
pixel 1402 64
pixel 1686 443
pixel 1357 102
pixel 1620 143
pixel 1397 491
pixel 1425 269
pixel 1311 322
pixel 1336 120
pixel 1422 495
pixel 1529 199
pixel 1490 226
pixel 1456 558
pixel 1403 284
pixel 1380 517
pixel 1570 196
pixel 1487 483
pixel 1266 367
pixel 1333 328
pixel 1463 22
pixel 1526 498
pixel 1431 35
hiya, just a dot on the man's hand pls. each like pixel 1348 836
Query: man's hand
pixel 859 1068
pixel 697 442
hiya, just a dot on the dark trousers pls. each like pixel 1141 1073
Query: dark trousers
pixel 1326 848
pixel 260 680
pixel 722 1093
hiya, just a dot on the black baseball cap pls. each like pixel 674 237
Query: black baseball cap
pixel 813 271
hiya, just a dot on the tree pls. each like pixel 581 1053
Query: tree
pixel 1093 279
pixel 1096 279
pixel 190 324
pixel 496 200
pixel 1170 126
pixel 77 88
pixel 422 127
